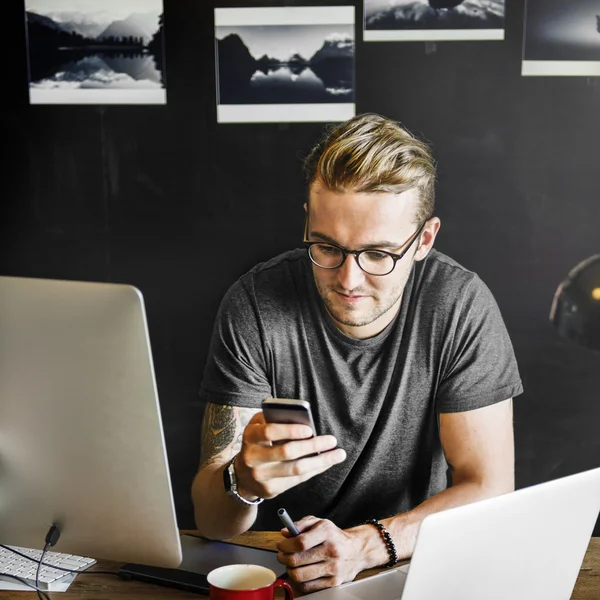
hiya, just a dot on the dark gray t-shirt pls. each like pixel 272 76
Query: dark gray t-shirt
pixel 447 350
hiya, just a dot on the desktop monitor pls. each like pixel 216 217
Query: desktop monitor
pixel 81 438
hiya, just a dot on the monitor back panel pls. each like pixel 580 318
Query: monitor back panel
pixel 81 439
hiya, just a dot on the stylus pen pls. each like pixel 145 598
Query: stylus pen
pixel 287 521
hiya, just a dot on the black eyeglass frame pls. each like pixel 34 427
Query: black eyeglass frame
pixel 357 253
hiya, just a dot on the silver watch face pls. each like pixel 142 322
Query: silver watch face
pixel 231 487
pixel 232 479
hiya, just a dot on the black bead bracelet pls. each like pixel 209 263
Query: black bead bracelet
pixel 387 538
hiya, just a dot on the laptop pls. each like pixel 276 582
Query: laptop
pixel 520 546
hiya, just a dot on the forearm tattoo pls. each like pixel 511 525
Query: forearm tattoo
pixel 222 431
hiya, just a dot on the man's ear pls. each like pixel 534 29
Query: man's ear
pixel 428 236
pixel 305 207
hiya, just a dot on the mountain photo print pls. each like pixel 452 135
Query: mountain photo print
pixel 433 20
pixel 562 38
pixel 96 51
pixel 285 64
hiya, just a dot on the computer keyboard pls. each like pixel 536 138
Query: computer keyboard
pixel 50 578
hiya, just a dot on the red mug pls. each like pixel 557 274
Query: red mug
pixel 245 582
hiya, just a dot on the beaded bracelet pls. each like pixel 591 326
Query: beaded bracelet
pixel 387 538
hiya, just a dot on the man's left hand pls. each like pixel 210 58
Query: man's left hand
pixel 323 555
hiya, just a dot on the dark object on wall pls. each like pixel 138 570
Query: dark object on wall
pixel 576 308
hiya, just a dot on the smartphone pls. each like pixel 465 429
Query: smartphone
pixel 283 410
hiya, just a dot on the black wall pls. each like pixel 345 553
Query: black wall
pixel 168 200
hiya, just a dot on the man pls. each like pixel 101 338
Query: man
pixel 401 352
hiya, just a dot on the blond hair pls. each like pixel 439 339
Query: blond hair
pixel 370 153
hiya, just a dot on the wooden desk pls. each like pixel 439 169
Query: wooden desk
pixel 106 587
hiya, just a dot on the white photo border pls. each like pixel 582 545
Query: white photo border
pixel 97 96
pixel 561 68
pixel 432 35
pixel 285 113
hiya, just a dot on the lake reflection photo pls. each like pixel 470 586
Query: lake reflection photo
pixel 96 52
pixel 285 64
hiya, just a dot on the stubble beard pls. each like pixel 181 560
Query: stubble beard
pixel 349 316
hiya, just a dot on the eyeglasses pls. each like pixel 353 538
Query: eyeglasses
pixel 371 260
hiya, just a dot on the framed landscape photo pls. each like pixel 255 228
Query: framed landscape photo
pixel 95 51
pixel 285 64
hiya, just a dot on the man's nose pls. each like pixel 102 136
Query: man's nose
pixel 350 275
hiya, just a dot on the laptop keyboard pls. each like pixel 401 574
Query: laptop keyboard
pixel 50 577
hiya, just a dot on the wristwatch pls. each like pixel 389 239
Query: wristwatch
pixel 230 483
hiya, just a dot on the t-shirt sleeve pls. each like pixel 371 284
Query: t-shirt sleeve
pixel 480 367
pixel 236 368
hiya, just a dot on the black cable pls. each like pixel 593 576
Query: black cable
pixel 115 573
pixel 37 573
pixel 51 538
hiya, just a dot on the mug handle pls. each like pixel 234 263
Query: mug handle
pixel 278 583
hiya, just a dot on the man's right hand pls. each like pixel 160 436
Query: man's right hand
pixel 265 468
